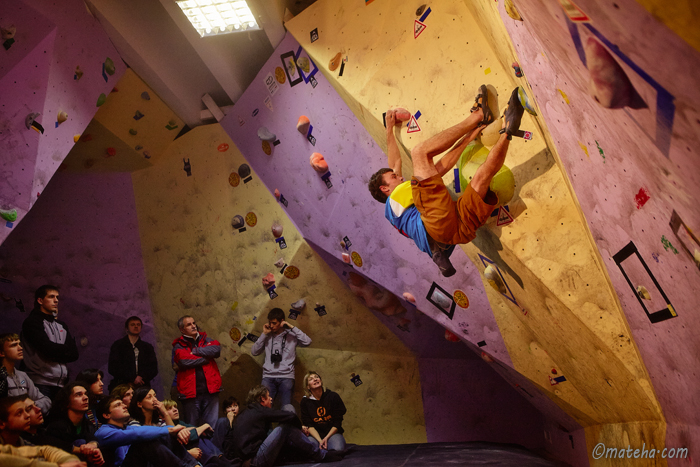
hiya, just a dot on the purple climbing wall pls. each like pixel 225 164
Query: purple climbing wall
pixel 81 235
pixel 38 75
pixel 326 214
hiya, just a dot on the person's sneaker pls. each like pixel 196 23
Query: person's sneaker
pixel 443 263
pixel 513 115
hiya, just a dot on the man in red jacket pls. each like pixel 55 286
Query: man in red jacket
pixel 198 377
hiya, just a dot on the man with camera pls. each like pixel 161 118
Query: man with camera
pixel 279 340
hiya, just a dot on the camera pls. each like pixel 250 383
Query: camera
pixel 276 357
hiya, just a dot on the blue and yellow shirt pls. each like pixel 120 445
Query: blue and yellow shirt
pixel 403 214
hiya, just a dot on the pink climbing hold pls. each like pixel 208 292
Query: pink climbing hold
pixel 402 115
pixel 277 193
pixel 269 280
pixel 609 85
pixel 303 125
pixel 276 230
pixel 318 163
pixel 346 258
pixel 409 297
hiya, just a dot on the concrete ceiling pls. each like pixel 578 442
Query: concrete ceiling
pixel 157 41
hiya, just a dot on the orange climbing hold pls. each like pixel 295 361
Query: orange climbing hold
pixel 450 336
pixel 335 62
pixel 318 163
pixel 402 115
pixel 303 125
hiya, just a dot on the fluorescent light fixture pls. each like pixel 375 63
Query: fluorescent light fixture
pixel 213 17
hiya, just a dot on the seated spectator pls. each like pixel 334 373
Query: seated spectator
pixel 92 380
pixel 69 424
pixel 15 420
pixel 198 444
pixel 147 410
pixel 125 392
pixel 3 382
pixel 322 414
pixel 18 383
pixel 224 424
pixel 132 360
pixel 249 439
pixel 137 446
pixel 31 456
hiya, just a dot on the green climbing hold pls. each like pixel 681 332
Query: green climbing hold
pixel 101 100
pixel 503 183
pixel 600 150
pixel 522 96
pixel 132 132
pixel 10 215
pixel 109 66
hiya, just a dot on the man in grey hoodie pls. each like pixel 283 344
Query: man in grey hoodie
pixel 11 354
pixel 48 345
pixel 279 340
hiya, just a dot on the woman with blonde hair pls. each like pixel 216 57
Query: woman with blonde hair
pixel 322 414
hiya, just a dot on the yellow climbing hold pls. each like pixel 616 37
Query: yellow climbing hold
pixel 487 71
pixel 76 138
pixel 234 306
pixel 585 149
pixel 563 94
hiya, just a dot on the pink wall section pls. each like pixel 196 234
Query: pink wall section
pixel 82 235
pixel 37 75
pixel 629 150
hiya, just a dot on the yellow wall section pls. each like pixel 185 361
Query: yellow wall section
pixel 196 264
pixel 574 322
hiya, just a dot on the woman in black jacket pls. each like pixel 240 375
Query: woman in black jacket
pixel 322 414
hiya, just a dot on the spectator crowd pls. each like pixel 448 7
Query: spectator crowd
pixel 48 418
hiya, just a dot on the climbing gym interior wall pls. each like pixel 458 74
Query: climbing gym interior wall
pixel 198 263
pixel 588 254
pixel 57 64
pixel 336 215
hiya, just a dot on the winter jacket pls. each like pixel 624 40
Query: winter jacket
pixel 48 346
pixel 188 355
pixel 63 430
pixel 250 429
pixel 114 442
pixel 273 344
pixel 122 362
pixel 20 384
pixel 323 414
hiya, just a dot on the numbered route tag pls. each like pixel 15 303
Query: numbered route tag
pixel 281 242
pixel 272 293
pixel 284 201
pixel 347 241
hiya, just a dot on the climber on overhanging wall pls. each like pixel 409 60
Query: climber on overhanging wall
pixel 422 209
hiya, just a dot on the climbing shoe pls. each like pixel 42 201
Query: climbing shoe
pixel 484 105
pixel 513 115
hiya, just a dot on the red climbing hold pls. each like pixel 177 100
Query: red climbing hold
pixel 642 197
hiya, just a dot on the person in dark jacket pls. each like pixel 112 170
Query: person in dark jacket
pixel 92 381
pixel 322 414
pixel 69 424
pixel 131 360
pixel 198 377
pixel 249 439
pixel 48 345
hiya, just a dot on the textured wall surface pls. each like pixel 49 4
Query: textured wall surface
pixel 198 264
pixel 37 76
pixel 82 236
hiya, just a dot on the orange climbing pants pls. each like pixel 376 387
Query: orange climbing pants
pixel 448 221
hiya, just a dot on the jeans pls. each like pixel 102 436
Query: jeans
pixel 335 442
pixel 282 387
pixel 286 435
pixel 158 454
pixel 201 409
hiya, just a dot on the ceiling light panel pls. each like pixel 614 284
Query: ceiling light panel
pixel 213 17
